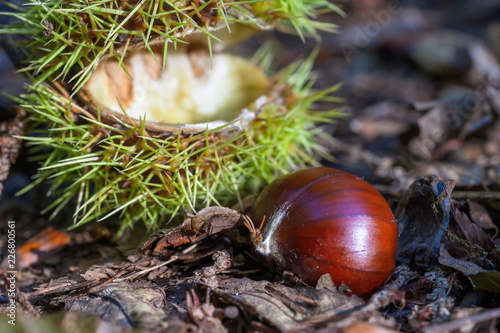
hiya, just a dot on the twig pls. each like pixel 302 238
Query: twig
pixel 476 195
pixel 141 273
pixel 169 261
pixel 462 322
pixel 58 289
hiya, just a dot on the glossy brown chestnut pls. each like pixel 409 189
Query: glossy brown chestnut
pixel 322 220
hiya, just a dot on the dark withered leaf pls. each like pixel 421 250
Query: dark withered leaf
pixel 206 222
pixel 98 273
pixel 463 228
pixel 461 265
pixel 481 279
pixel 125 305
pixel 206 316
pixel 287 308
pixel 479 215
pixel 487 280
pixel 423 215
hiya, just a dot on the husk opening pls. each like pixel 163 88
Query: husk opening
pixel 193 87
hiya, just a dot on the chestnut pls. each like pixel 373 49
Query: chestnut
pixel 322 220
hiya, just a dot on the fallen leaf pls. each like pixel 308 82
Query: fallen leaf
pixel 463 228
pixel 423 215
pixel 41 246
pixel 207 221
pixel 481 279
pixel 288 309
pixel 479 215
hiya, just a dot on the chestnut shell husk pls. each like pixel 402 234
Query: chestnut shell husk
pixel 110 165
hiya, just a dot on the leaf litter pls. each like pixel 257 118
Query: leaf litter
pixel 423 127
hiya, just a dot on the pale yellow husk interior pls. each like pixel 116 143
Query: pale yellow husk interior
pixel 192 88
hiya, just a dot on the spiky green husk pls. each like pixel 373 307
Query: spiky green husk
pixel 121 169
pixel 71 36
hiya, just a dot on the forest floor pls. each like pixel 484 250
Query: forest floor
pixel 421 123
